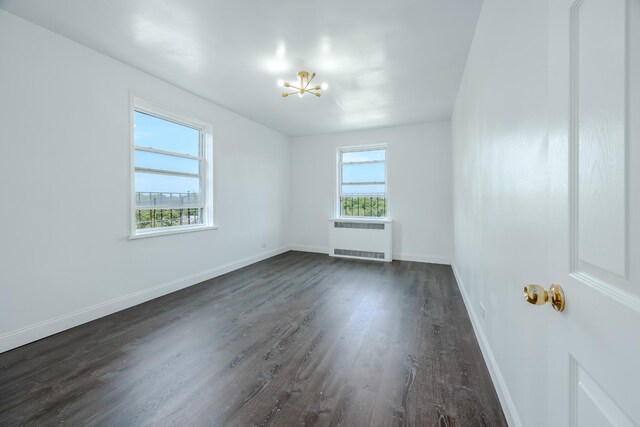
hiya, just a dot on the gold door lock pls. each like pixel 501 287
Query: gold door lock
pixel 537 295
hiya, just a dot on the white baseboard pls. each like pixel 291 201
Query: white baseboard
pixel 25 335
pixel 314 249
pixel 508 407
pixel 432 259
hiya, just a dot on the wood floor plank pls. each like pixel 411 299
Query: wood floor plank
pixel 297 340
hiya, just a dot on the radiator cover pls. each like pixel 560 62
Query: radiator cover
pixel 360 238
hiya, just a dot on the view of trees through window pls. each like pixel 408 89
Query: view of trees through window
pixel 154 218
pixel 354 205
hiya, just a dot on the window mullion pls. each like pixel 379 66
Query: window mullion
pixel 364 183
pixel 363 162
pixel 150 207
pixel 167 172
pixel 167 153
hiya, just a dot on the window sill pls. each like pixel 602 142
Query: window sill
pixel 360 219
pixel 156 233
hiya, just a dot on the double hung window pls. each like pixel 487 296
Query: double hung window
pixel 171 172
pixel 362 182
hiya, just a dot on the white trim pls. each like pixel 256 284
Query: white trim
pixel 153 232
pixel 361 219
pixel 363 162
pixel 36 331
pixel 431 259
pixel 363 183
pixel 206 158
pixel 364 147
pixel 508 406
pixel 167 112
pixel 314 249
pixel 167 153
pixel 166 172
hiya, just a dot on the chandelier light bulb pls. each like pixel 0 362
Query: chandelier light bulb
pixel 280 82
pixel 300 94
pixel 324 86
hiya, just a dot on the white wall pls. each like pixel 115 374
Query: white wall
pixel 64 188
pixel 499 132
pixel 419 180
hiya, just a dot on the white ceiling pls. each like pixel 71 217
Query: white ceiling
pixel 386 62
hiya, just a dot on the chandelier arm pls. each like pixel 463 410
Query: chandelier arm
pixel 309 81
pixel 297 88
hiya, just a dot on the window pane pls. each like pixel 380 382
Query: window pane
pixel 150 131
pixel 365 172
pixel 149 199
pixel 148 160
pixel 157 189
pixel 363 156
pixel 363 189
pixel 354 205
pixel 156 218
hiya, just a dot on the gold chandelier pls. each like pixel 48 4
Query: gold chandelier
pixel 305 79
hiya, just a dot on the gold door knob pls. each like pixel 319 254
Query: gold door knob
pixel 537 295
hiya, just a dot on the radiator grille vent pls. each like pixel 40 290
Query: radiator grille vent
pixel 361 254
pixel 361 225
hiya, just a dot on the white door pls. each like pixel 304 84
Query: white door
pixel 594 92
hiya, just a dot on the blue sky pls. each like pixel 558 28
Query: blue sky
pixel 157 133
pixel 367 172
pixel 160 134
pixel 353 171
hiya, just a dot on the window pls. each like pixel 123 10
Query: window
pixel 362 183
pixel 172 185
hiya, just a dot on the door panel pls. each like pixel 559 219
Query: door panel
pixel 599 137
pixel 597 342
pixel 594 82
pixel 591 406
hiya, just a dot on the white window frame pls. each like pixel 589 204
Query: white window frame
pixel 206 166
pixel 356 148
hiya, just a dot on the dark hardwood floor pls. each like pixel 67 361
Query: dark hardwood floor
pixel 297 340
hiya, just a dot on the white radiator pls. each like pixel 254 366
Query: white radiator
pixel 360 238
